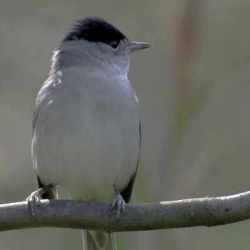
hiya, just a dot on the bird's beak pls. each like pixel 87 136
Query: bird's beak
pixel 134 46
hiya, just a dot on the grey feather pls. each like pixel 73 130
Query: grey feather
pixel 96 240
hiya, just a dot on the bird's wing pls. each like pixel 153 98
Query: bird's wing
pixel 49 193
pixel 127 191
pixel 41 97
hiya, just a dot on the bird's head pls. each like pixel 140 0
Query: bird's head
pixel 99 39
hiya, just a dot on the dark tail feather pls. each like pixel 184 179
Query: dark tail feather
pixel 49 190
pixel 48 194
pixel 97 240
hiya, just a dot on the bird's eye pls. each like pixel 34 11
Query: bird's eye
pixel 114 44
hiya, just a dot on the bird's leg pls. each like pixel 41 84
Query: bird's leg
pixel 34 198
pixel 118 204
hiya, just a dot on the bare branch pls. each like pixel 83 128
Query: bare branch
pixel 148 216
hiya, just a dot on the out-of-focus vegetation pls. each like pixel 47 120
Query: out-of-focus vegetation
pixel 194 103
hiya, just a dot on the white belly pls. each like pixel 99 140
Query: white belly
pixel 87 139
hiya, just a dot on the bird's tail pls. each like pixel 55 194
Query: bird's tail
pixel 98 240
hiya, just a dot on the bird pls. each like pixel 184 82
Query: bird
pixel 86 125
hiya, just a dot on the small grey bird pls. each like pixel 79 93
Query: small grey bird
pixel 86 127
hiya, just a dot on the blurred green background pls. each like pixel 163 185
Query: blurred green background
pixel 194 91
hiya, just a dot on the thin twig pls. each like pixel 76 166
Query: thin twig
pixel 149 216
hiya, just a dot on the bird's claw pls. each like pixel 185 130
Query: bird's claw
pixel 34 199
pixel 118 205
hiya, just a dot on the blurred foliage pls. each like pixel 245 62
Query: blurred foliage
pixel 194 103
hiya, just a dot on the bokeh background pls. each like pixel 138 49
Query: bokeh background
pixel 194 91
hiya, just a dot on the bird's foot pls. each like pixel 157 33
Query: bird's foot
pixel 118 205
pixel 34 199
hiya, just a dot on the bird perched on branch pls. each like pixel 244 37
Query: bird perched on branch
pixel 86 126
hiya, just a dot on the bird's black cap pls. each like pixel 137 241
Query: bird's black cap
pixel 95 29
